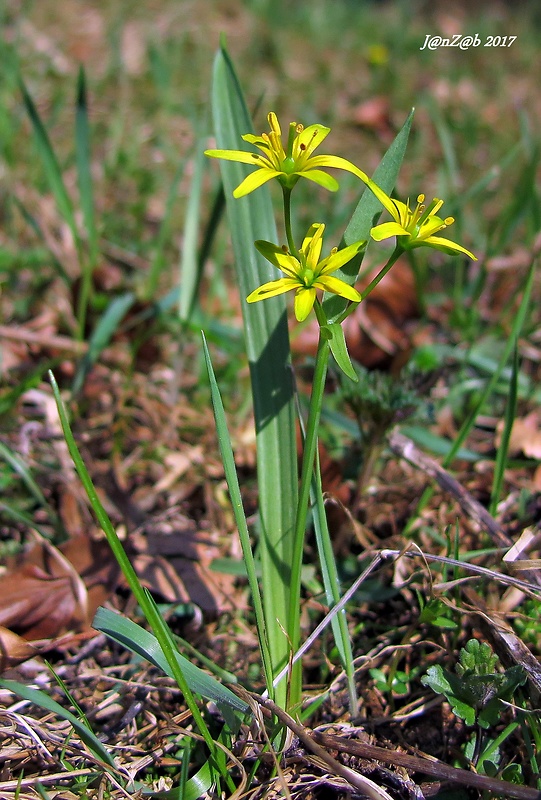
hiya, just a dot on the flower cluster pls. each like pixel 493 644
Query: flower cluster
pixel 303 270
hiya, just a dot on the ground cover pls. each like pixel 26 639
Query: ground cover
pixel 429 463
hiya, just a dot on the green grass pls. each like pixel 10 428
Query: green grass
pixel 106 200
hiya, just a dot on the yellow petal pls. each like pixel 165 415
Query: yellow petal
pixel 310 235
pixel 386 230
pixel 311 137
pixel 271 289
pixel 341 257
pixel 288 264
pixel 331 284
pixel 321 178
pixel 245 157
pixel 447 246
pixel 312 245
pixel 255 180
pixel 304 302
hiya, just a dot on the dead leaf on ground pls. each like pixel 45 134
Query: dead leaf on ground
pixel 47 591
pixel 13 649
pixel 173 559
pixel 374 114
pixel 525 435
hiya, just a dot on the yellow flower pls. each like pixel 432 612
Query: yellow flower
pixel 286 165
pixel 415 228
pixel 307 273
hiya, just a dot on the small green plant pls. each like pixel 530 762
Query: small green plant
pixel 477 693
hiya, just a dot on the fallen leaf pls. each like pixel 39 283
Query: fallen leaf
pixel 13 649
pixel 525 435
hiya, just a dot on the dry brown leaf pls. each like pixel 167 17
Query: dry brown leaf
pixel 375 115
pixel 37 603
pixel 49 590
pixel 174 561
pixel 525 435
pixel 13 649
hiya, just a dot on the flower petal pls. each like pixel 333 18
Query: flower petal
pixel 304 302
pixel 271 289
pixel 244 156
pixel 341 257
pixel 269 251
pixel 430 226
pixel 322 178
pixel 386 230
pixel 311 137
pixel 255 180
pixel 339 163
pixel 446 246
pixel 288 264
pixel 312 230
pixel 312 244
pixel 331 284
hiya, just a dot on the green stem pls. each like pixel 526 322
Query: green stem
pixel 308 459
pixel 395 255
pixel 287 222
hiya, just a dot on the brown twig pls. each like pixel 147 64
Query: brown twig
pixel 405 448
pixel 20 334
pixel 355 779
pixel 434 768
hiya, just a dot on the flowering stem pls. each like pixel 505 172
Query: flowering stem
pixel 308 458
pixel 287 222
pixel 395 255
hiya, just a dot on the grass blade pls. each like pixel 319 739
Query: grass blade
pixel 190 267
pixel 135 638
pixel 42 700
pixel 84 173
pixel 132 580
pixel 267 344
pixel 50 164
pixel 236 500
pixel 366 215
pixel 501 457
pixel 102 335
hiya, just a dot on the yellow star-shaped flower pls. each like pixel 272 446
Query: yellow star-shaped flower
pixel 415 228
pixel 307 273
pixel 288 165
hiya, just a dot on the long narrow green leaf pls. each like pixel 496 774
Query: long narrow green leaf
pixel 42 700
pixel 190 267
pixel 50 163
pixel 135 638
pixel 22 469
pixel 501 456
pixel 169 650
pixel 366 215
pixel 106 525
pixel 267 345
pixel 84 172
pixel 228 461
pixel 331 583
pixel 102 335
